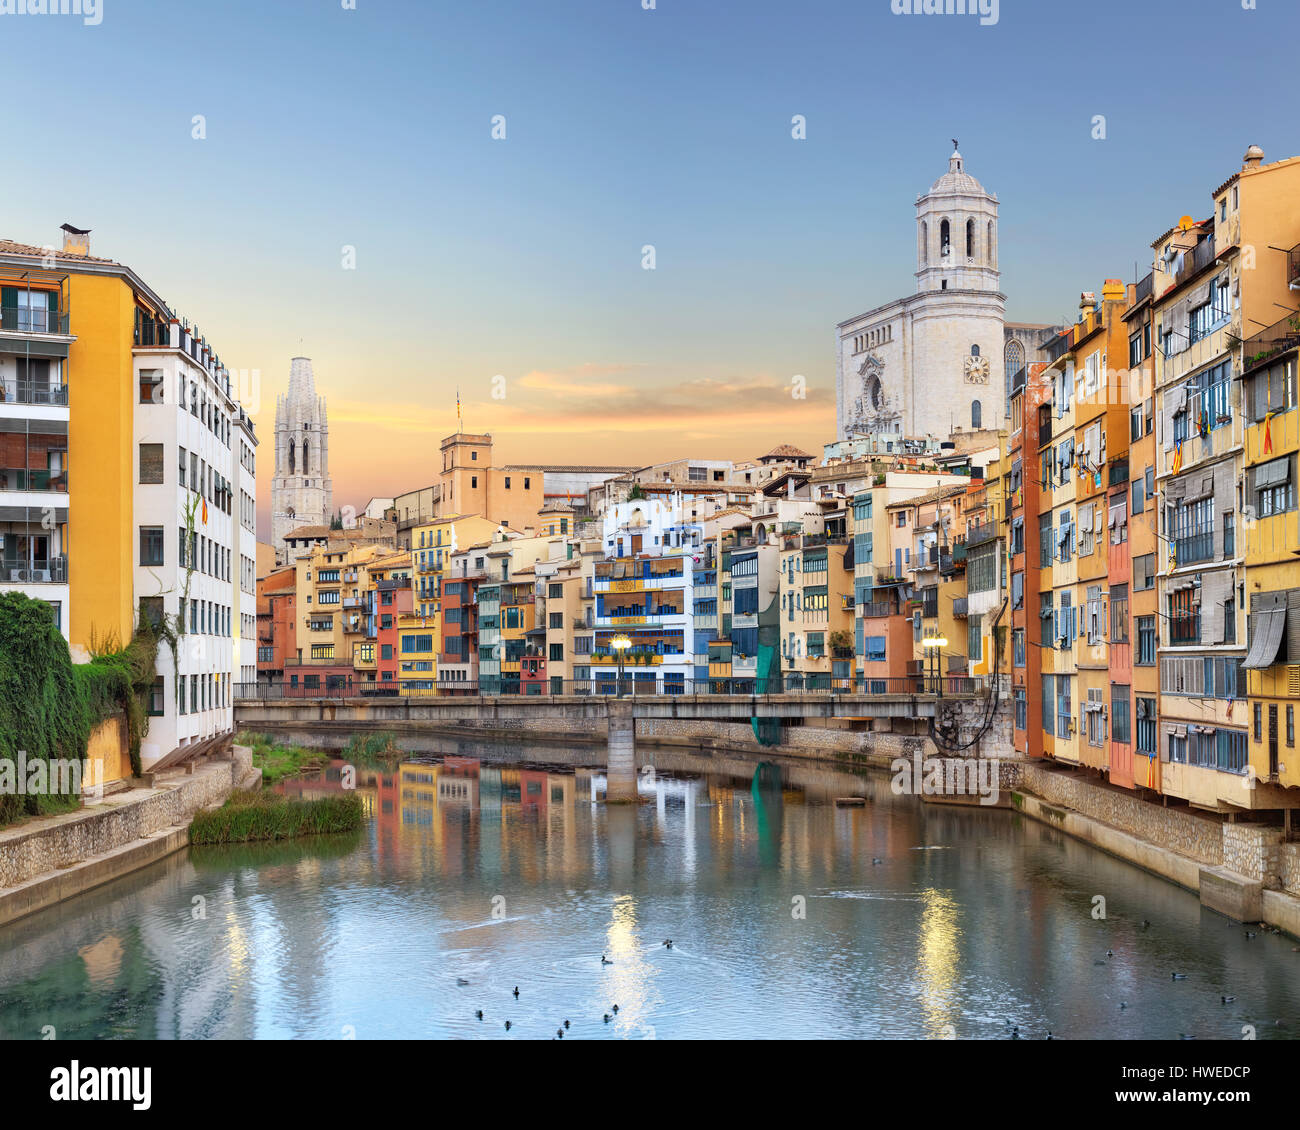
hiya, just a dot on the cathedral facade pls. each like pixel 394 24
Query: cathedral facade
pixel 302 493
pixel 939 359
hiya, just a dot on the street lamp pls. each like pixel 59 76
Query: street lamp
pixel 934 645
pixel 620 643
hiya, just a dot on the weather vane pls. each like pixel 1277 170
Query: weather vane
pixel 955 145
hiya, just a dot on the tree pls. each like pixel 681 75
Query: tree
pixel 636 494
pixel 336 523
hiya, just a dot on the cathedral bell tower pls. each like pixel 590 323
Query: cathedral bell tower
pixel 957 233
pixel 302 493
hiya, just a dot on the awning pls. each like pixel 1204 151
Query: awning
pixel 1273 474
pixel 1268 628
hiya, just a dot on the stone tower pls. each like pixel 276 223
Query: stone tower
pixel 302 493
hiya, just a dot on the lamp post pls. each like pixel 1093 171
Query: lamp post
pixel 620 643
pixel 934 645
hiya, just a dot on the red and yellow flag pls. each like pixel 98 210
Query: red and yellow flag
pixel 1178 456
pixel 1268 435
pixel 205 511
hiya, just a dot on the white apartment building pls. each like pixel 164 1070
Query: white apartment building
pixel 195 543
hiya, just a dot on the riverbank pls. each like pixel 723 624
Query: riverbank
pixel 49 859
pixel 1242 871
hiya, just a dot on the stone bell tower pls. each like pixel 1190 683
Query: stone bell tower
pixel 302 493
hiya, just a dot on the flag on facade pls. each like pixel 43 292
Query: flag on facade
pixel 1178 456
pixel 205 511
pixel 1268 434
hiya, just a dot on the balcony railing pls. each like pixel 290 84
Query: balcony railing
pixel 1185 629
pixel 1144 289
pixel 34 571
pixel 1197 547
pixel 959 607
pixel 25 320
pixel 1118 472
pixel 878 608
pixel 1280 337
pixel 1200 257
pixel 980 533
pixel 20 478
pixel 33 392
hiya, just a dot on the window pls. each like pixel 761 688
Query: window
pixel 874 649
pixel 151 545
pixel 1119 614
pixel 1146 727
pixel 976 415
pixel 556 652
pixel 1119 728
pixel 1272 487
pixel 151 386
pixel 1022 708
pixel 1193 531
pixel 151 463
pixel 507 482
pixel 1290 725
pixel 1146 641
pixel 1046 617
pixel 1144 572
pixel 975 638
pixel 1018 648
pixel 322 651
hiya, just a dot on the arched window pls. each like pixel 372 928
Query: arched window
pixel 974 350
pixel 989 256
pixel 305 462
pixel 1015 361
pixel 970 239
pixel 976 415
pixel 292 460
pixel 945 239
pixel 925 243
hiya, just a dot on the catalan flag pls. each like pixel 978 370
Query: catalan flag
pixel 1203 422
pixel 1268 434
pixel 205 511
pixel 1178 456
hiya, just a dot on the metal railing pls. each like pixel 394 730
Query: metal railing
pixel 1280 337
pixel 1143 289
pixel 1196 547
pixel 20 478
pixel 633 684
pixel 33 392
pixel 36 571
pixel 980 533
pixel 29 320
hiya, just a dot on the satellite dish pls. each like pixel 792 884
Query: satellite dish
pixel 1186 223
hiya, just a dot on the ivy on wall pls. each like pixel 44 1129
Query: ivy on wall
pixel 49 705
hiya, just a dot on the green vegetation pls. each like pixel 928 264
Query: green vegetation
pixel 266 816
pixel 379 746
pixel 49 705
pixel 278 762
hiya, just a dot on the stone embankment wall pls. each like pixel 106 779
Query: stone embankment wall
pixel 52 843
pixel 1180 830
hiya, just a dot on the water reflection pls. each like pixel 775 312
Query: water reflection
pixel 478 871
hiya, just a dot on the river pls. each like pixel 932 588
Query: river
pixel 791 917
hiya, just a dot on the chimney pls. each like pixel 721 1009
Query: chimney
pixel 1114 290
pixel 1087 303
pixel 1254 155
pixel 76 241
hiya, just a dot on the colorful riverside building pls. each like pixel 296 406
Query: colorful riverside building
pixel 1258 205
pixel 815 592
pixel 1028 393
pixel 1209 281
pixel 106 395
pixel 644 590
pixel 1100 474
pixel 1142 513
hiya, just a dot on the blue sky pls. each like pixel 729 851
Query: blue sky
pixel 371 128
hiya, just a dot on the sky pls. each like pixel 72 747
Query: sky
pixel 511 268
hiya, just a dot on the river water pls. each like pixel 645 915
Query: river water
pixel 477 874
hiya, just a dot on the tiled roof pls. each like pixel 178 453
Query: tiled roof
pixel 308 532
pixel 786 451
pixel 10 247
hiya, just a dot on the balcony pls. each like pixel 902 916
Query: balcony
pixel 33 392
pixel 1281 337
pixel 353 602
pixel 34 571
pixel 20 478
pixel 1196 547
pixel 1143 289
pixel 1293 268
pixel 1119 472
pixel 959 605
pixel 29 320
pixel 980 534
pixel 1195 261
pixel 878 609
pixel 1185 629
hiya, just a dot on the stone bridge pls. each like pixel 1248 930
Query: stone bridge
pixel 584 718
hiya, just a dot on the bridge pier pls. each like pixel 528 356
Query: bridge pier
pixel 620 776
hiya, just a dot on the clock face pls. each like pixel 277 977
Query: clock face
pixel 977 370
